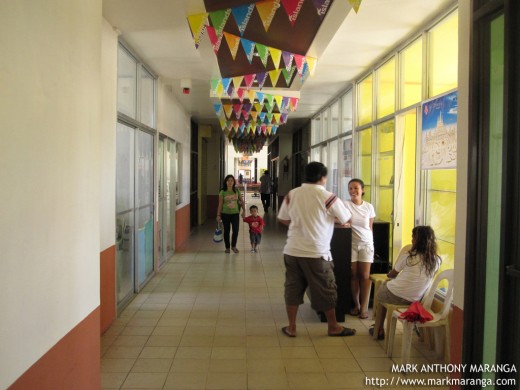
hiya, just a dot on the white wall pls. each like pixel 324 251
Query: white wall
pixel 462 151
pixel 174 121
pixel 50 158
pixel 108 136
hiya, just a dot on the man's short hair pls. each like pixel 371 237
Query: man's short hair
pixel 314 171
pixel 253 207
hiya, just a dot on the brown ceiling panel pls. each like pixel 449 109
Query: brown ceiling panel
pixel 281 35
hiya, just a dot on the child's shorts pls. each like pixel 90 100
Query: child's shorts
pixel 255 238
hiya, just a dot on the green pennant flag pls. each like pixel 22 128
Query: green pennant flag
pixel 288 75
pixel 219 19
pixel 263 52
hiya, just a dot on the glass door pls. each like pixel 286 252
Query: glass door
pixel 144 207
pixel 166 158
pixel 124 213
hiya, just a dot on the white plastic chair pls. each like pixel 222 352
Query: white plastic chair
pixel 389 307
pixel 440 319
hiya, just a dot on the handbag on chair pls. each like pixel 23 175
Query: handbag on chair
pixel 218 236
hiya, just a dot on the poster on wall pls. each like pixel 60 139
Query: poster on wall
pixel 439 133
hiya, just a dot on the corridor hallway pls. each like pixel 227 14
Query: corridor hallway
pixel 210 320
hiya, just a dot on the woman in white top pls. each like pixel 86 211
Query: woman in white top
pixel 412 274
pixel 363 215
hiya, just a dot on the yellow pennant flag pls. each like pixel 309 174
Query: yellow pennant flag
pixel 197 25
pixel 237 81
pixel 220 90
pixel 277 117
pixel 311 63
pixel 266 10
pixel 258 107
pixel 355 4
pixel 274 75
pixel 254 115
pixel 276 55
pixel 228 109
pixel 278 100
pixel 252 95
pixel 233 42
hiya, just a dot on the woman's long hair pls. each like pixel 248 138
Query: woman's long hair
pixel 424 244
pixel 224 185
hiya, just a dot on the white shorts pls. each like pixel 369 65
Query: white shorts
pixel 362 253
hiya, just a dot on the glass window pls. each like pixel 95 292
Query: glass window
pixel 364 152
pixel 334 120
pixel 364 106
pixel 346 112
pixel 147 98
pixel 385 89
pixel 316 154
pixel 443 56
pixel 126 83
pixel 345 165
pixel 440 210
pixel 384 188
pixel 316 130
pixel 333 167
pixel 411 74
pixel 325 124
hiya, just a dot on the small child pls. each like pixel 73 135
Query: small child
pixel 256 226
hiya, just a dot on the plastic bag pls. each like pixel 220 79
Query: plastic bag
pixel 218 236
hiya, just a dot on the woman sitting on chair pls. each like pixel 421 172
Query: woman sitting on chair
pixel 412 275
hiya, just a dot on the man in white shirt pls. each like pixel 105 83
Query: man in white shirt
pixel 310 212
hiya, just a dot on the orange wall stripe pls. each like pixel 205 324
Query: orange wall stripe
pixel 72 363
pixel 107 271
pixel 182 226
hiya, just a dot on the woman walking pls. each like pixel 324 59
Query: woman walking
pixel 229 204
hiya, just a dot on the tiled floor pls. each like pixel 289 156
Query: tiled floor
pixel 210 320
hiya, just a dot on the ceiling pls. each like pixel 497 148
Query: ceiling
pixel 346 45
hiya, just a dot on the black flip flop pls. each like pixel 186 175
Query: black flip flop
pixel 344 333
pixel 285 331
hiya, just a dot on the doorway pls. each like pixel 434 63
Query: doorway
pixel 134 210
pixel 167 202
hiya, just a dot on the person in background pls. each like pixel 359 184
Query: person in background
pixel 229 204
pixel 310 212
pixel 363 215
pixel 265 190
pixel 412 275
pixel 256 226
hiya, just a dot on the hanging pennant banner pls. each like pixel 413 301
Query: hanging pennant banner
pixel 237 81
pixel 219 19
pixel 285 103
pixel 249 78
pixel 288 75
pixel 225 83
pixel 300 61
pixel 274 75
pixel 242 14
pixel 247 107
pixel 197 26
pixel 355 4
pixel 263 53
pixel 276 55
pixel 269 98
pixel 233 42
pixel 283 118
pixel 254 115
pixel 260 97
pixel 249 48
pixel 311 63
pixel 218 108
pixel 292 8
pixel 287 59
pixel 278 100
pixel 214 39
pixel 230 90
pixel 228 109
pixel 240 93
pixel 258 107
pixel 294 103
pixel 266 11
pixel 251 94
pixel 321 7
pixel 214 85
pixel 260 78
pixel 220 90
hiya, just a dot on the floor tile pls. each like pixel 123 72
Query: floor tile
pixel 144 381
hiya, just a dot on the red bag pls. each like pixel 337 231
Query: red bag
pixel 416 313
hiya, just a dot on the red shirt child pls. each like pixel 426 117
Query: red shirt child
pixel 256 226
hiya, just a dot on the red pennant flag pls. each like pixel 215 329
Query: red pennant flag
pixel 300 61
pixel 214 39
pixel 249 78
pixel 292 8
